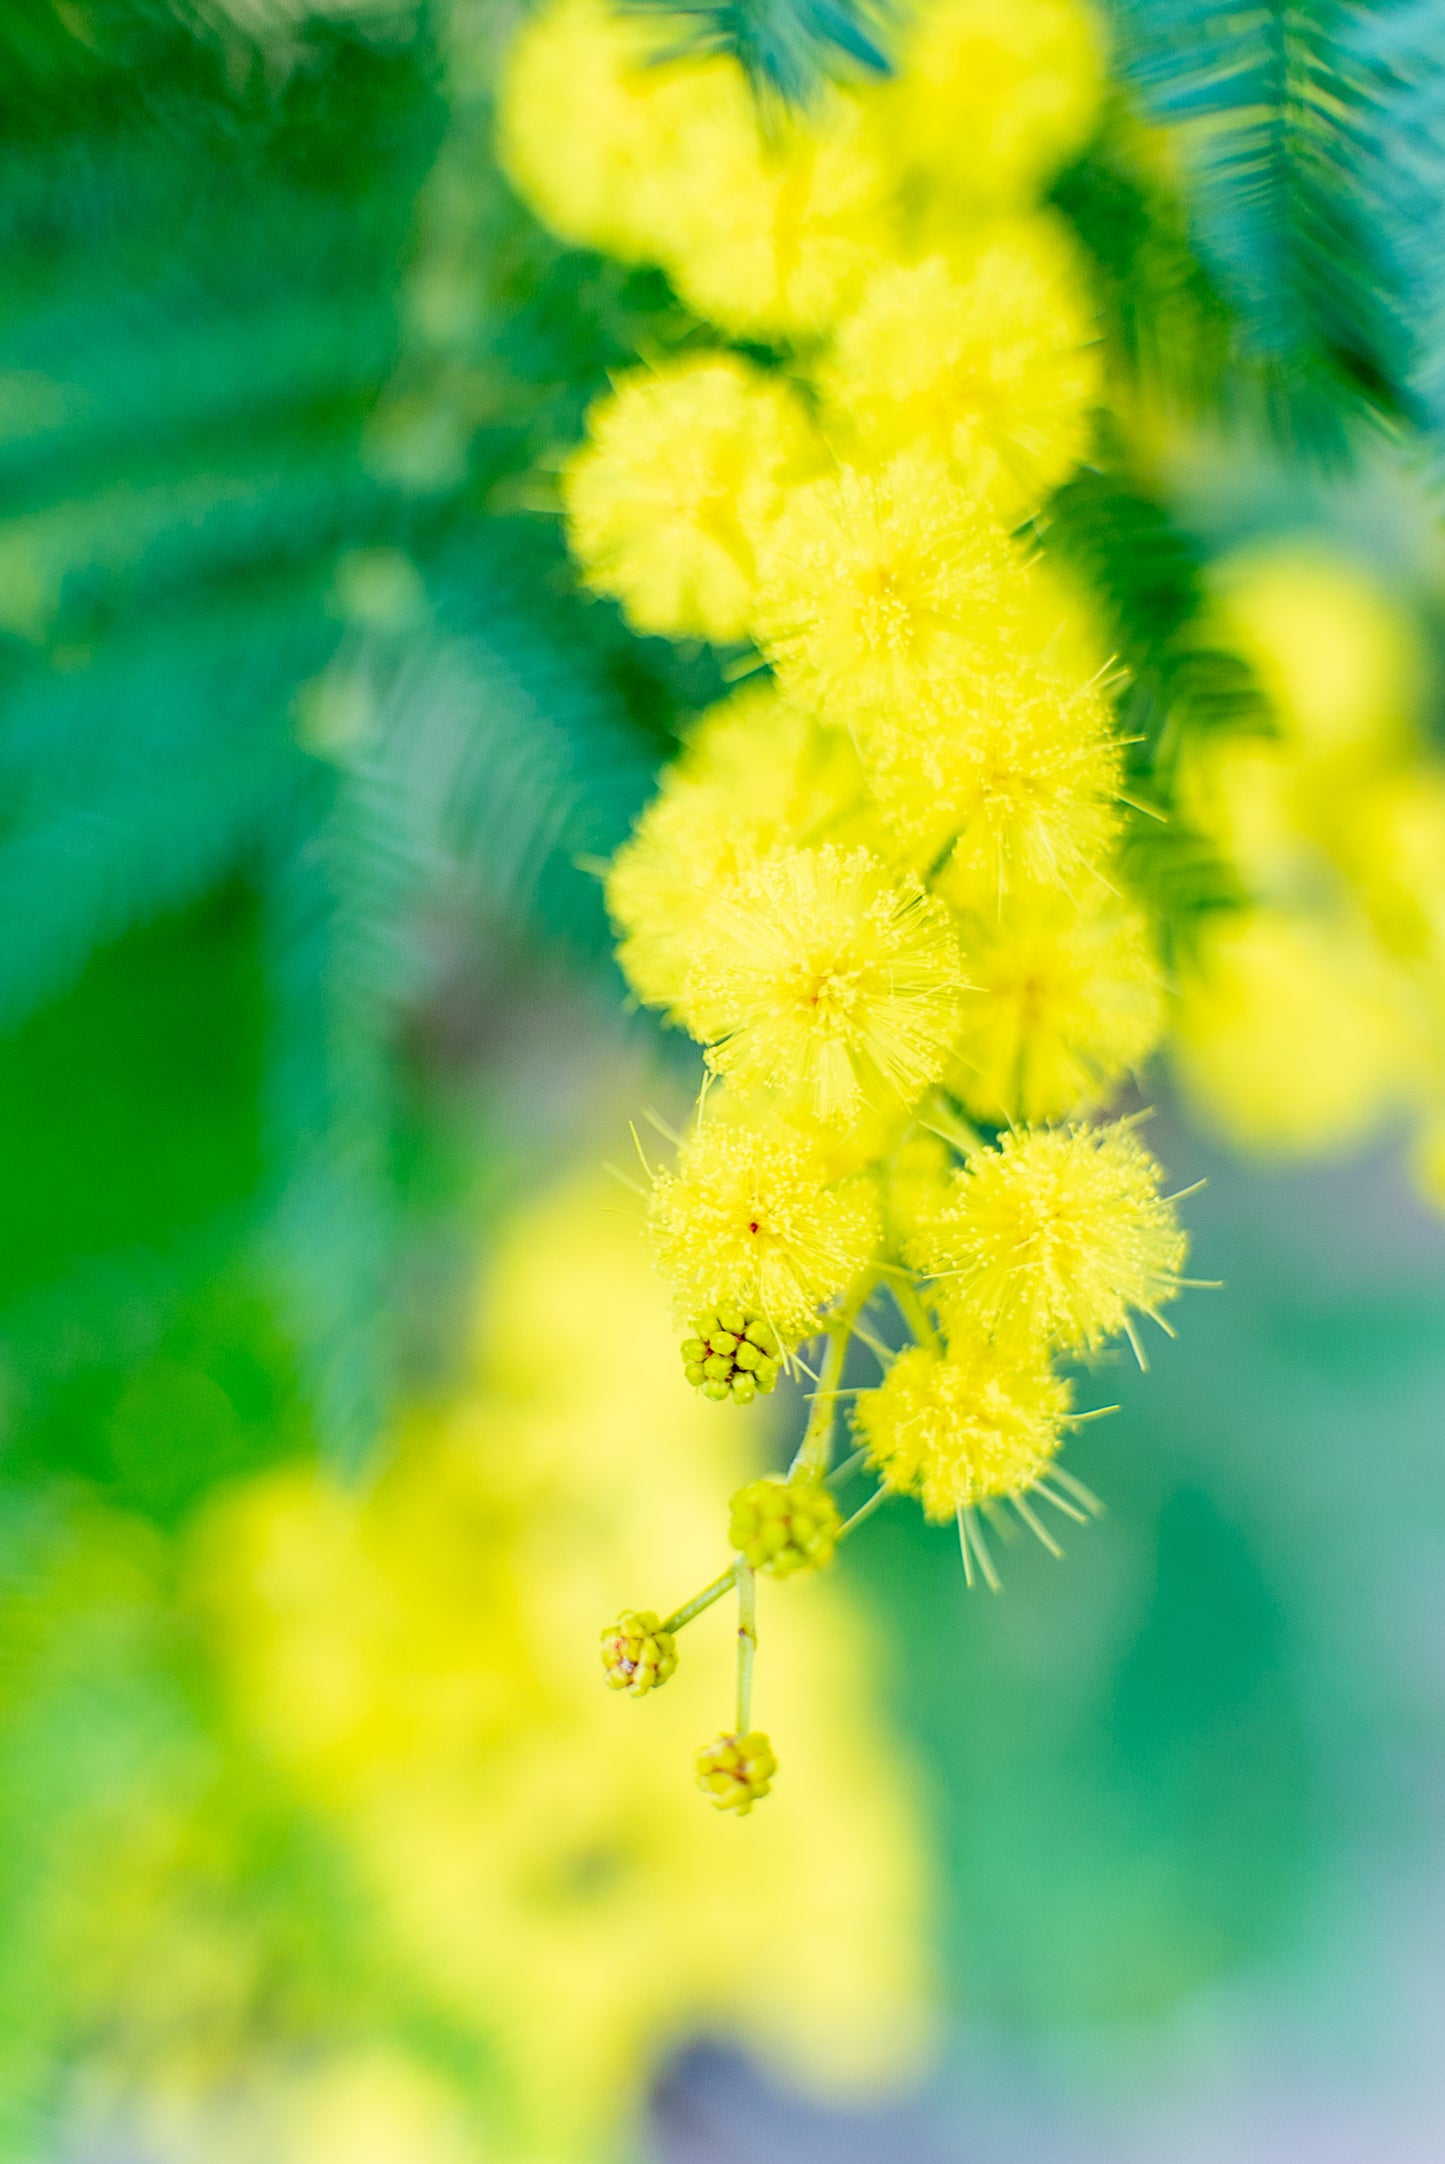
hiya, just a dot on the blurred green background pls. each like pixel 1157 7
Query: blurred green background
pixel 307 745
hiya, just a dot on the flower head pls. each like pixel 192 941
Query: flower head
pixel 680 470
pixel 637 1653
pixel 782 1526
pixel 735 1772
pixel 989 101
pixel 1294 1034
pixel 1017 775
pixel 989 362
pixel 1069 1002
pixel 962 1428
pixel 822 979
pixel 755 776
pixel 1055 1238
pixel 874 589
pixel 593 122
pixel 776 224
pixel 747 1221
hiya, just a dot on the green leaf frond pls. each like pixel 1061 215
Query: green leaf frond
pixel 1146 576
pixel 1278 117
pixel 788 48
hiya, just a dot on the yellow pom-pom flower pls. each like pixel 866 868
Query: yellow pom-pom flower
pixel 638 1655
pixel 967 1427
pixel 988 362
pixel 782 1526
pixel 1293 1035
pixel 1338 657
pixel 1017 775
pixel 875 589
pixel 735 1772
pixel 777 223
pixel 1069 1001
pixel 1056 1238
pixel 746 1221
pixel 825 981
pixel 989 100
pixel 680 471
pixel 755 776
pixel 592 124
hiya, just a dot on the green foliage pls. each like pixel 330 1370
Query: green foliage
pixel 241 639
pixel 787 47
pixel 1278 118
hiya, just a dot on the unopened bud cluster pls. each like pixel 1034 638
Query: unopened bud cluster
pixel 781 1526
pixel 637 1653
pixel 735 1771
pixel 731 1354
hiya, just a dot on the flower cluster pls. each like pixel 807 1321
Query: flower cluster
pixel 1314 1012
pixel 880 885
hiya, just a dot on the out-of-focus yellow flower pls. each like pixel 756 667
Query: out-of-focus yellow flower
pixel 989 101
pixel 1291 1035
pixel 754 776
pixel 591 124
pixel 819 978
pixel 971 1426
pixel 766 228
pixel 680 472
pixel 1394 846
pixel 750 1220
pixel 1339 660
pixel 987 360
pixel 777 224
pixel 420 1664
pixel 1068 1002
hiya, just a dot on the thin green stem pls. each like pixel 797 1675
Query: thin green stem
pixel 914 1313
pixel 747 1642
pixel 694 1607
pixel 849 1465
pixel 865 1510
pixel 814 1451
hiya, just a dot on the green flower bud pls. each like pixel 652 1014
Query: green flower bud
pixel 735 1771
pixel 728 1348
pixel 782 1526
pixel 637 1653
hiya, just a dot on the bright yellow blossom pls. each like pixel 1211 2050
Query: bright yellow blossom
pixel 1016 775
pixel 591 124
pixel 1292 1036
pixel 988 361
pixel 989 100
pixel 823 980
pixel 1394 849
pixel 966 1427
pixel 876 589
pixel 680 472
pixel 777 223
pixel 1068 1002
pixel 1339 659
pixel 747 1221
pixel 418 1664
pixel 754 776
pixel 1055 1238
